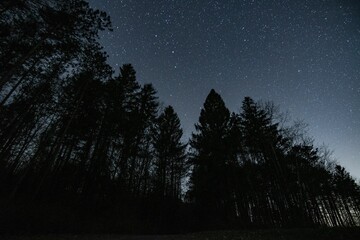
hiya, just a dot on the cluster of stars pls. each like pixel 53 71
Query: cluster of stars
pixel 303 55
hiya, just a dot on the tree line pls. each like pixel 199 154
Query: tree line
pixel 82 149
pixel 252 170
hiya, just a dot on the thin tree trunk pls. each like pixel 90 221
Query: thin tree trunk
pixel 18 83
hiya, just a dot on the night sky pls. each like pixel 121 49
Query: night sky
pixel 302 55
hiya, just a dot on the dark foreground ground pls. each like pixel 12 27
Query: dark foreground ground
pixel 272 234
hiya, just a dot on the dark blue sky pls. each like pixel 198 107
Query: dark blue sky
pixel 302 55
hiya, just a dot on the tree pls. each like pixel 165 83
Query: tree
pixel 44 34
pixel 169 155
pixel 211 157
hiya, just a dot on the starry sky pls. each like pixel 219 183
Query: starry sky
pixel 304 55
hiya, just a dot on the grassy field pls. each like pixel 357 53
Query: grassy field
pixel 278 234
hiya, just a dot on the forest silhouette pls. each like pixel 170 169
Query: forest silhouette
pixel 82 150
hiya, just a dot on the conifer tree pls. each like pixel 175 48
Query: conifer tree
pixel 210 188
pixel 170 155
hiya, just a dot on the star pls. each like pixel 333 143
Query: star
pixel 301 55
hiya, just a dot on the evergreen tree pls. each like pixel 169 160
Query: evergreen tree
pixel 210 188
pixel 45 34
pixel 75 138
pixel 170 155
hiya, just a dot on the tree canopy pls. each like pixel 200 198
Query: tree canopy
pixel 82 149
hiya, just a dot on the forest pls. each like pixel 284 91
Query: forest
pixel 85 150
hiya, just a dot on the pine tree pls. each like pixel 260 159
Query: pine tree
pixel 211 158
pixel 170 155
pixel 47 34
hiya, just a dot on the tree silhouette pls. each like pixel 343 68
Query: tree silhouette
pixel 169 155
pixel 51 39
pixel 212 161
pixel 81 149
